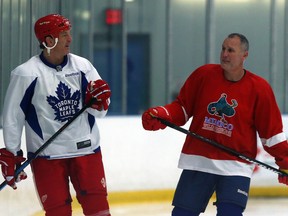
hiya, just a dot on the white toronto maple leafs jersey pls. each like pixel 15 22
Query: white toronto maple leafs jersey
pixel 43 97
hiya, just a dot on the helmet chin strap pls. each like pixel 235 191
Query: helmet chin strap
pixel 49 48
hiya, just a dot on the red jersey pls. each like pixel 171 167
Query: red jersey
pixel 230 113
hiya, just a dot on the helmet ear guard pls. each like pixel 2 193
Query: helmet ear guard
pixel 49 48
pixel 50 25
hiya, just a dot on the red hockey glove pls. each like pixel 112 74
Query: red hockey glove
pixel 9 162
pixel 283 178
pixel 151 123
pixel 99 90
pixel 283 166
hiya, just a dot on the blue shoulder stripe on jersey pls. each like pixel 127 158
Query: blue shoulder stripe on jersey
pixel 29 109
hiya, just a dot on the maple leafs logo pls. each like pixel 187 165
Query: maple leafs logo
pixel 65 105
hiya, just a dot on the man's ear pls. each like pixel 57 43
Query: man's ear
pixel 246 54
pixel 49 41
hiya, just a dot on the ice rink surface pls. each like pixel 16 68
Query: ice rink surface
pixel 26 205
pixel 256 207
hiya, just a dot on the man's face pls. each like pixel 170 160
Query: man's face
pixel 232 55
pixel 63 45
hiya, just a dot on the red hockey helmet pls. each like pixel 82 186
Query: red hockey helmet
pixel 52 25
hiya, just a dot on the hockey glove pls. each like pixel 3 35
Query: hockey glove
pixel 100 92
pixel 149 121
pixel 283 178
pixel 9 163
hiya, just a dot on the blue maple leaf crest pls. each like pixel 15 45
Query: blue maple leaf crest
pixel 65 105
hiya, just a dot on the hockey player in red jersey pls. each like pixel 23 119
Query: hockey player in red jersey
pixel 43 94
pixel 227 104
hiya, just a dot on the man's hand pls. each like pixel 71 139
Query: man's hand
pixel 149 121
pixel 9 162
pixel 100 91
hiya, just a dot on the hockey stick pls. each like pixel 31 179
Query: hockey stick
pixel 49 141
pixel 222 147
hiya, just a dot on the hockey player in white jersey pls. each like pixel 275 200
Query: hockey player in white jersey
pixel 43 94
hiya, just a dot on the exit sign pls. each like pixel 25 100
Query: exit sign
pixel 113 16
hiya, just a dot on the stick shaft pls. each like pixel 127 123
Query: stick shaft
pixel 222 147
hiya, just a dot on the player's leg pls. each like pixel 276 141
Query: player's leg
pixel 178 211
pixel 232 195
pixel 51 180
pixel 193 193
pixel 88 179
pixel 228 209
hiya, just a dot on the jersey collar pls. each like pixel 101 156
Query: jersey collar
pixel 56 67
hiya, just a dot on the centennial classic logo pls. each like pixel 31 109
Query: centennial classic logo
pixel 64 104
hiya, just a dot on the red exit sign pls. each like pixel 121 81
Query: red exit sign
pixel 113 16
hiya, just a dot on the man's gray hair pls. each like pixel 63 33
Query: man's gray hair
pixel 244 41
